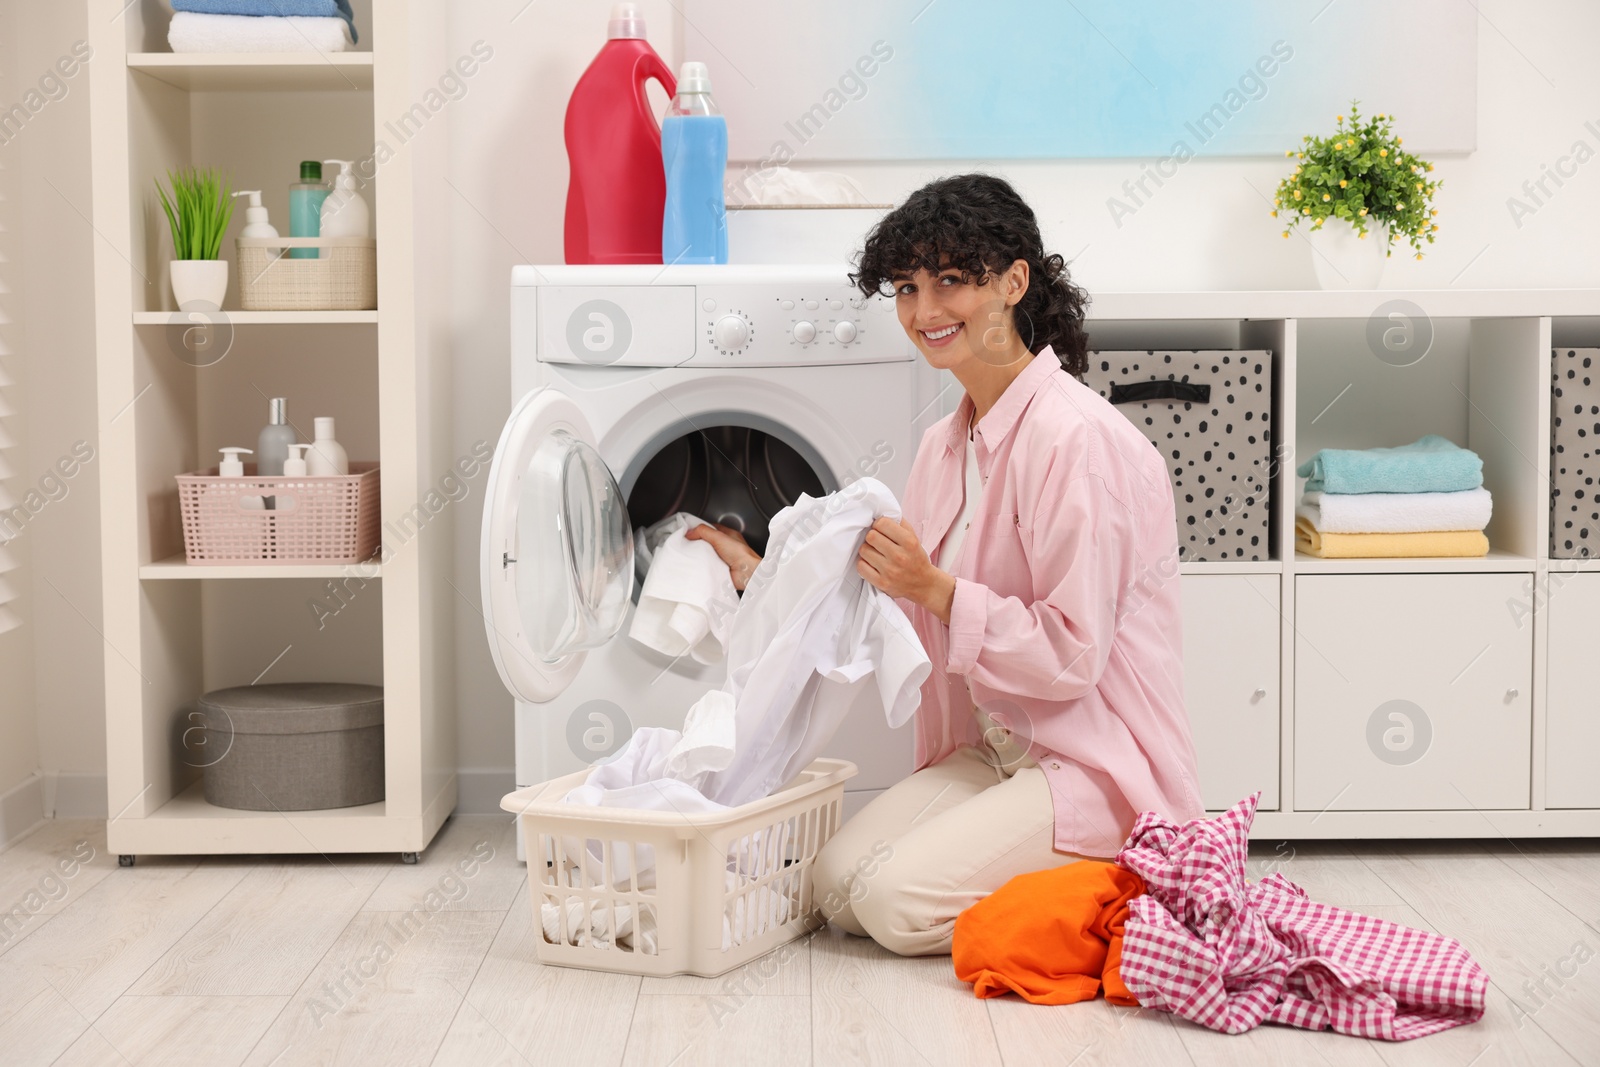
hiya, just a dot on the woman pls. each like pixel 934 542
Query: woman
pixel 1036 559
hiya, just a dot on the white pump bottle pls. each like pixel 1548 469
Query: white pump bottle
pixel 255 216
pixel 344 213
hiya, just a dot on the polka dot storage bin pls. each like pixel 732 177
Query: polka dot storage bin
pixel 1209 415
pixel 1574 453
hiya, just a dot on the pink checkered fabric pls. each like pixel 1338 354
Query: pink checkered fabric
pixel 1206 944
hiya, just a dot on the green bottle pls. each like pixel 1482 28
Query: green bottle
pixel 305 207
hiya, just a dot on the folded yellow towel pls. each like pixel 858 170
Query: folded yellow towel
pixel 1310 540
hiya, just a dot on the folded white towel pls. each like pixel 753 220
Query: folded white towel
pixel 688 601
pixel 1468 509
pixel 191 31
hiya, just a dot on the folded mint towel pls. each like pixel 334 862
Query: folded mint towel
pixel 282 8
pixel 1430 464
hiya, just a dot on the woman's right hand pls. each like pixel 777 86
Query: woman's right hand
pixel 731 549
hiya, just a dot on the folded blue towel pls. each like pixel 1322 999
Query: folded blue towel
pixel 311 8
pixel 1430 464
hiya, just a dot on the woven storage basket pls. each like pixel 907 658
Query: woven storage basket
pixel 328 519
pixel 700 894
pixel 345 280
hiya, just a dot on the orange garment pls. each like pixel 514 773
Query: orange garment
pixel 1051 937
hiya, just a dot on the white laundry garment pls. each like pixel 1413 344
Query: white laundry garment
pixel 688 601
pixel 614 925
pixel 809 634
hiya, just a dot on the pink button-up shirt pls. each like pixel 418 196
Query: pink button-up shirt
pixel 1066 621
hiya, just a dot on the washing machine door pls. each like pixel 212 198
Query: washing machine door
pixel 557 548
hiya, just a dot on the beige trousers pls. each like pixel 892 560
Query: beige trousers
pixel 933 845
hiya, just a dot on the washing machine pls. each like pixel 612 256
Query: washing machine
pixel 725 391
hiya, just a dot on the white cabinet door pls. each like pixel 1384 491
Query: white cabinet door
pixel 1411 692
pixel 1572 704
pixel 1231 627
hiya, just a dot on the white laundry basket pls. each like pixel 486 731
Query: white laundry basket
pixel 664 893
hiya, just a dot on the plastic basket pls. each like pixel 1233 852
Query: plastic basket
pixel 345 280
pixel 328 519
pixel 663 893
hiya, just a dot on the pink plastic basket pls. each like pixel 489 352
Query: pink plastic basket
pixel 328 519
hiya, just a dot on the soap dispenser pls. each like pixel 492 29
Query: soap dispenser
pixel 327 456
pixel 256 224
pixel 295 465
pixel 344 213
pixel 233 467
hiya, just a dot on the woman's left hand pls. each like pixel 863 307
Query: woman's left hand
pixel 893 560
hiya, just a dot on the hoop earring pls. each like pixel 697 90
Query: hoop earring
pixel 1020 310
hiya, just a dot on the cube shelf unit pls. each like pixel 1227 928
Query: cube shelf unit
pixel 173 631
pixel 1291 663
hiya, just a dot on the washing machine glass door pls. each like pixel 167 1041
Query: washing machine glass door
pixel 557 548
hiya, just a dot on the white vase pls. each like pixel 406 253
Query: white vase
pixel 199 282
pixel 1345 260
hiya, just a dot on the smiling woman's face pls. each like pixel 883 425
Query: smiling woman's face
pixel 952 322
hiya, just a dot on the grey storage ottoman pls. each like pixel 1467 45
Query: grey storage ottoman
pixel 1574 453
pixel 1209 414
pixel 294 746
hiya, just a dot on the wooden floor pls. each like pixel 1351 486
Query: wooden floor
pixel 258 960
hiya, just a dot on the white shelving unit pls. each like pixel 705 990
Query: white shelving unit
pixel 173 631
pixel 1289 661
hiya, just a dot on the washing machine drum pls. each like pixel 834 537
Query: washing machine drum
pixel 733 475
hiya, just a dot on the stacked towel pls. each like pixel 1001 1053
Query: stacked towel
pixel 1422 499
pixel 261 26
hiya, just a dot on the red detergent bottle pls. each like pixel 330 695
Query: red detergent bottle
pixel 617 189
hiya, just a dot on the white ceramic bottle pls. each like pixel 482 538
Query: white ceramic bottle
pixel 326 456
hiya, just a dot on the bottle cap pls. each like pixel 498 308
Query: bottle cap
pixel 694 77
pixel 310 170
pixel 626 22
pixel 278 410
pixel 232 466
pixel 294 465
pixel 324 427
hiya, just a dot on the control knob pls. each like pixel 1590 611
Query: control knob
pixel 731 333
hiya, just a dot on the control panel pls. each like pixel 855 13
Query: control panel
pixel 810 319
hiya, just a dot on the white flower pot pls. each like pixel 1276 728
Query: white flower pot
pixel 199 281
pixel 1343 259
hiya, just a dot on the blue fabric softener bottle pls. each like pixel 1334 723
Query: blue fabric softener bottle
pixel 694 153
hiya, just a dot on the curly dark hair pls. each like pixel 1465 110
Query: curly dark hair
pixel 978 224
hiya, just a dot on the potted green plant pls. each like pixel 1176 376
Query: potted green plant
pixel 198 209
pixel 1358 191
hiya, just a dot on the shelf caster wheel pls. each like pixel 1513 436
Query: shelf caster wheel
pixel 408 857
pixel 124 860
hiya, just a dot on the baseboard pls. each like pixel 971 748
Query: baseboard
pixel 71 795
pixel 21 810
pixel 479 792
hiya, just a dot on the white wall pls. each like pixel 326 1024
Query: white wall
pixel 51 185
pixel 1206 229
